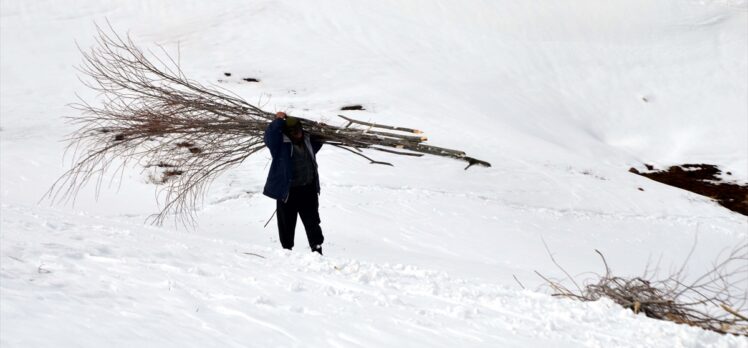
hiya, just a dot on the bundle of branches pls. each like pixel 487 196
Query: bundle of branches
pixel 153 116
pixel 713 301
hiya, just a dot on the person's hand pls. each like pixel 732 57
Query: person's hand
pixel 280 115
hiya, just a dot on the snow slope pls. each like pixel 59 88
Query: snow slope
pixel 562 97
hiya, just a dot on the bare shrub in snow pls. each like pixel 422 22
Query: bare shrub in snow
pixel 712 301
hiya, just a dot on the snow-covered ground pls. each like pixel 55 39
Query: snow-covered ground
pixel 562 97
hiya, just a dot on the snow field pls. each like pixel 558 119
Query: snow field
pixel 133 286
pixel 562 97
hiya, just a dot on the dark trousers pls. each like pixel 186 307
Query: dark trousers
pixel 303 201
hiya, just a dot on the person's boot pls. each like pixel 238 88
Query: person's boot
pixel 317 249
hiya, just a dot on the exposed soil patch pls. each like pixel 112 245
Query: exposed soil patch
pixel 245 79
pixel 702 179
pixel 352 107
pixel 190 146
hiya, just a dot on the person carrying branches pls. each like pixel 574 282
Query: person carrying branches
pixel 149 114
pixel 293 180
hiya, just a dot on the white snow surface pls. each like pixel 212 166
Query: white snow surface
pixel 562 97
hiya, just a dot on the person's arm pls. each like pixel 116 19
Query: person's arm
pixel 274 133
pixel 316 144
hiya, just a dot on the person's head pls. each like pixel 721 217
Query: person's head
pixel 292 128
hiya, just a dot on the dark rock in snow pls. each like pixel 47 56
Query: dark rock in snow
pixel 352 107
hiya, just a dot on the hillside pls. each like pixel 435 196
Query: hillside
pixel 561 97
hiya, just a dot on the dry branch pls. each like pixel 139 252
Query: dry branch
pixel 152 115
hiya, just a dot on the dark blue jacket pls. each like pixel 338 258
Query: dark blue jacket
pixel 279 179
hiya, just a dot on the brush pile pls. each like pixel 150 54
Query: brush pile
pixel 153 116
pixel 712 301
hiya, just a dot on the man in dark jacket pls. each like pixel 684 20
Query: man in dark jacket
pixel 293 180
